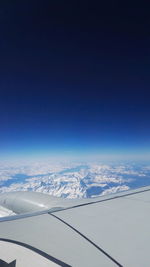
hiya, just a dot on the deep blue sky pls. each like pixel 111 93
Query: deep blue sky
pixel 74 78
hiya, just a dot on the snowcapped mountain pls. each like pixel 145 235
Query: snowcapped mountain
pixel 73 180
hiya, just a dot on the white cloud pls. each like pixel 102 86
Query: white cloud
pixel 115 189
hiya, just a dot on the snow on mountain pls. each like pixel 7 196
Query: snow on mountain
pixel 72 180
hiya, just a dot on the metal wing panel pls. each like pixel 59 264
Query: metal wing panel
pixel 24 256
pixel 48 234
pixel 119 226
pixel 105 231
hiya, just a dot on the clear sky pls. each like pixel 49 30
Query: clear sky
pixel 74 78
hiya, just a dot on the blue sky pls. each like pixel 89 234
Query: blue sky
pixel 74 86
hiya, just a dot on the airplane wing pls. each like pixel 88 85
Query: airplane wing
pixel 107 231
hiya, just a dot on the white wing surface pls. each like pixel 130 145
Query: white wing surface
pixel 105 231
